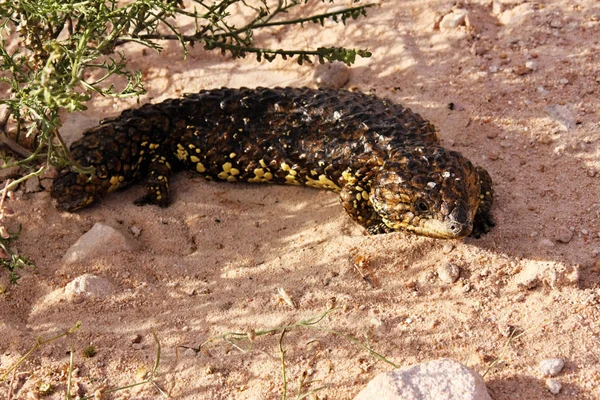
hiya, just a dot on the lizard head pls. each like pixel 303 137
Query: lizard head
pixel 72 191
pixel 427 190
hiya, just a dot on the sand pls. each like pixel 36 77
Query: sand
pixel 523 80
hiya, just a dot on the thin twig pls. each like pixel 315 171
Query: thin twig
pixel 11 384
pixel 4 193
pixel 39 343
pixel 282 355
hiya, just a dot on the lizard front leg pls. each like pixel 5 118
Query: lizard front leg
pixel 484 220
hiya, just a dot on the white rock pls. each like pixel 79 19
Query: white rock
pixel 101 239
pixel 551 366
pixel 454 19
pixel 440 379
pixel 332 75
pixel 516 15
pixel 529 277
pixel 89 285
pixel 553 386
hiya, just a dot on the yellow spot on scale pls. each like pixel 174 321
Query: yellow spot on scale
pixel 115 182
pixel 222 175
pixel 365 195
pixel 194 159
pixel 154 146
pixel 285 167
pixel 200 167
pixel 182 153
pixel 348 176
pixel 234 171
pixel 293 172
pixel 259 172
pixel 262 163
pixel 268 176
pixel 227 167
pixel 358 197
pixel 322 183
pixel 144 144
pixel 197 151
pixel 191 146
pixel 313 172
pixel 232 155
pixel 231 178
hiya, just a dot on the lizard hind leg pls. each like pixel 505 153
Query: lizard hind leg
pixel 157 182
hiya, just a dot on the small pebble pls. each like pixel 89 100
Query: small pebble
pixel 551 366
pixel 531 65
pixel 564 235
pixel 32 185
pixel 137 346
pixel 46 183
pixel 564 81
pixel 528 282
pixel 491 134
pixel 190 353
pixel 521 70
pixel 556 23
pixel 448 273
pixel 546 243
pixel 553 386
pixel 331 75
pixel 135 230
pixel 448 247
pixel 454 19
pixel 136 338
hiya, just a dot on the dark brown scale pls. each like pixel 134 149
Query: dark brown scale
pixel 385 160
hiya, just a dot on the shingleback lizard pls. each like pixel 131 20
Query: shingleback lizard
pixel 385 161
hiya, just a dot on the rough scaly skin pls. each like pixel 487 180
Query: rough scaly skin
pixel 384 160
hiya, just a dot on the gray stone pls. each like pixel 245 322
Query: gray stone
pixel 551 366
pixel 564 235
pixel 562 115
pixel 89 286
pixel 331 75
pixel 440 379
pixel 101 239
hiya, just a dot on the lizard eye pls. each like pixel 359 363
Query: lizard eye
pixel 422 206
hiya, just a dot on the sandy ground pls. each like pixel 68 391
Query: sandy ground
pixel 524 80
